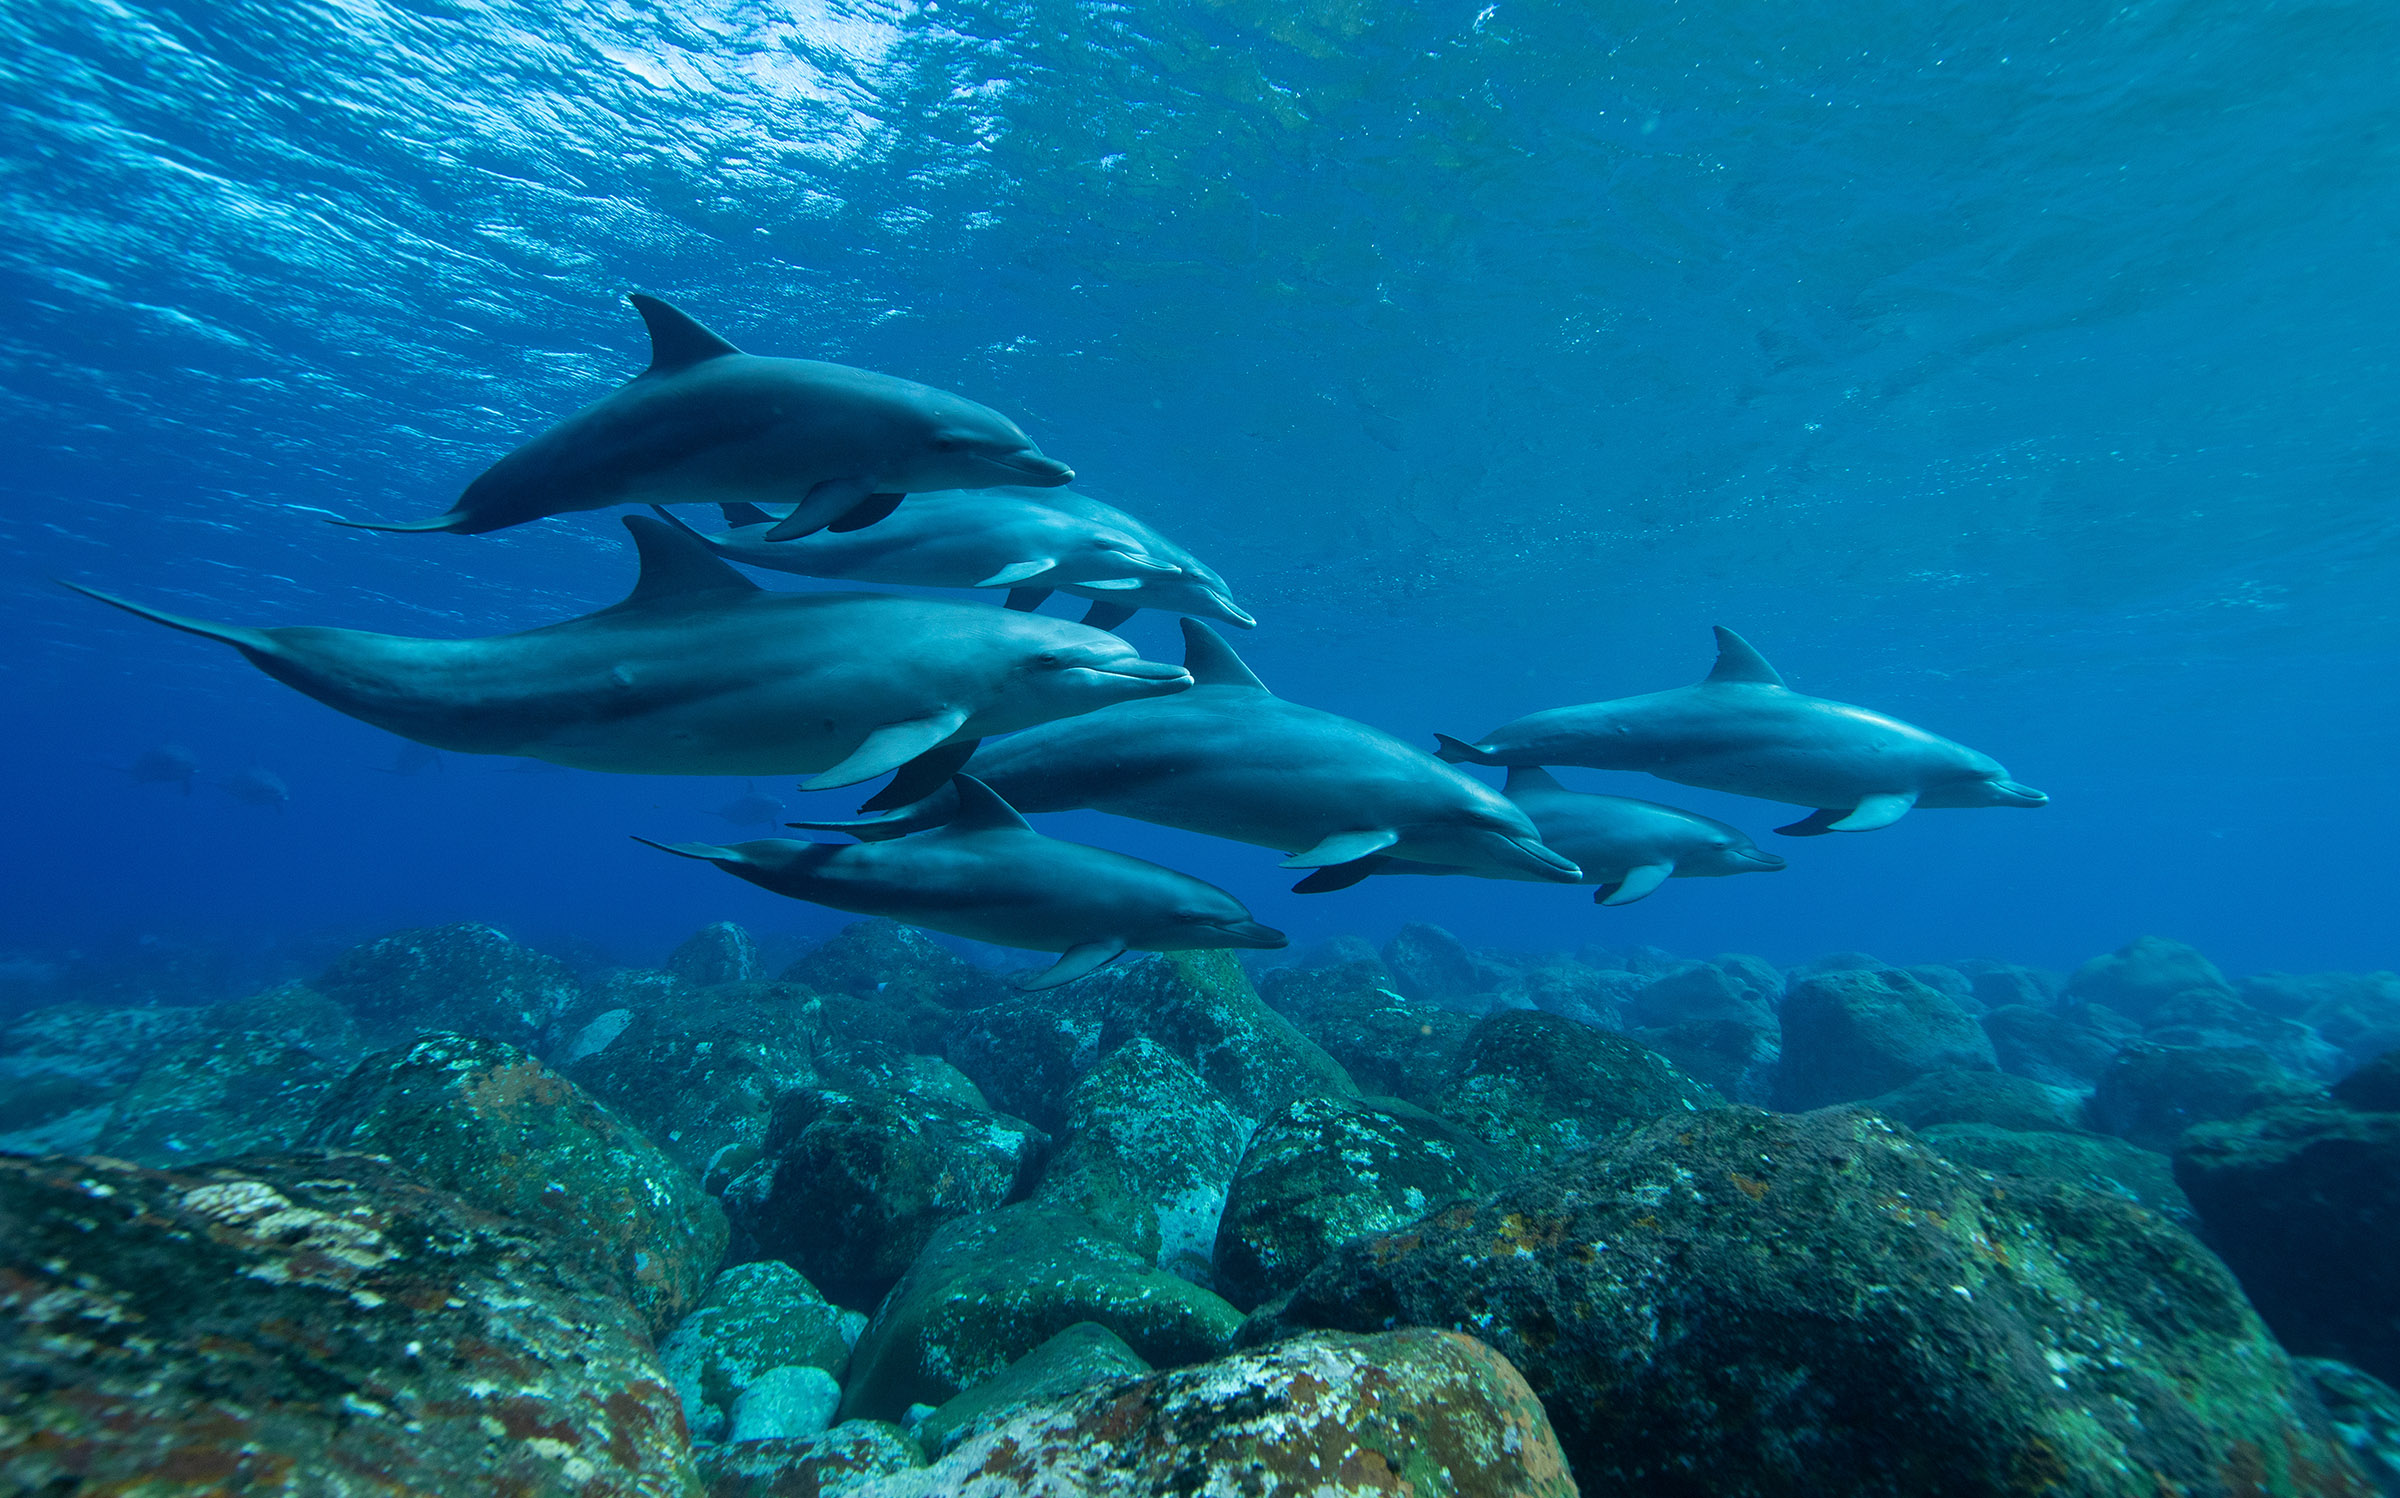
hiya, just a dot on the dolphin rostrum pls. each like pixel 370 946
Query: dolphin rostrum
pixel 1028 541
pixel 709 423
pixel 701 672
pixel 1627 847
pixel 1235 761
pixel 985 875
pixel 1742 730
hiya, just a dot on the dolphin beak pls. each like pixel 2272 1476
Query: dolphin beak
pixel 1761 860
pixel 1163 677
pixel 1542 862
pixel 2013 794
pixel 1252 934
pixel 1039 469
pixel 1229 611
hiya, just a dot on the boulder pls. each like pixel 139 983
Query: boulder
pixel 1704 992
pixel 49 1114
pixel 298 1016
pixel 991 1288
pixel 1949 982
pixel 1085 1354
pixel 1742 1302
pixel 2137 978
pixel 87 1043
pixel 2204 1017
pixel 2303 1203
pixel 1738 1060
pixel 853 1181
pixel 2151 1093
pixel 700 1078
pixel 1999 985
pixel 1982 1097
pixel 1430 965
pixel 2366 1415
pixel 234 1093
pixel 468 979
pixel 1421 1413
pixel 793 1403
pixel 1325 1171
pixel 2063 1048
pixel 1388 1044
pixel 1026 1053
pixel 1200 1007
pixel 1857 1033
pixel 484 1120
pixel 1570 990
pixel 311 1323
pixel 2374 1087
pixel 2359 1012
pixel 717 954
pixel 842 1463
pixel 897 965
pixel 2093 1162
pixel 1835 962
pixel 755 1318
pixel 1533 1086
pixel 1149 1152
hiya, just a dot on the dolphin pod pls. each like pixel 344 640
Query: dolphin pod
pixel 1230 759
pixel 1626 847
pixel 700 672
pixel 707 423
pixel 1740 729
pixel 985 875
pixel 1028 541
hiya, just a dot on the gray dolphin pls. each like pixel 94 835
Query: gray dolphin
pixel 1233 760
pixel 1627 847
pixel 985 875
pixel 700 672
pixel 1028 541
pixel 1742 730
pixel 707 423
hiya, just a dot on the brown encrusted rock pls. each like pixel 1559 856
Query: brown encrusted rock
pixel 310 1324
pixel 489 1122
pixel 1736 1302
pixel 1423 1413
pixel 837 1464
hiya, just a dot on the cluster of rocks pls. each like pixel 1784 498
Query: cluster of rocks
pixel 1426 1219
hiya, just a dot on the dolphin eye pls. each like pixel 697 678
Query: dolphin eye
pixel 948 444
pixel 1046 658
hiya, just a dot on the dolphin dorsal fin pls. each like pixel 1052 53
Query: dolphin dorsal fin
pixel 677 564
pixel 1738 663
pixel 1212 662
pixel 980 809
pixel 1530 778
pixel 677 339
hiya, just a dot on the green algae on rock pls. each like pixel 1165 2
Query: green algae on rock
pixel 1854 1034
pixel 466 978
pixel 1085 1354
pixel 1200 1006
pixel 700 1078
pixel 483 1119
pixel 2151 1093
pixel 883 961
pixel 1387 1043
pixel 1787 1307
pixel 755 1318
pixel 990 1288
pixel 1532 1086
pixel 1026 1053
pixel 2094 1162
pixel 1420 1413
pixel 1982 1097
pixel 311 1323
pixel 234 1093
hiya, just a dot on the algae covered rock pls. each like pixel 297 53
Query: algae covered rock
pixel 990 1288
pixel 1149 1153
pixel 2366 1415
pixel 1421 1413
pixel 298 1016
pixel 2150 1093
pixel 234 1093
pixel 1531 1086
pixel 2141 976
pixel 1388 1044
pixel 1085 1354
pixel 844 1460
pixel 1740 1302
pixel 89 1043
pixel 1200 1007
pixel 1706 991
pixel 1982 1097
pixel 2061 1048
pixel 754 1319
pixel 2091 1161
pixel 716 954
pixel 483 1119
pixel 898 965
pixel 1320 1173
pixel 854 1181
pixel 2374 1087
pixel 1026 1053
pixel 311 1323
pixel 1737 1059
pixel 700 1078
pixel 1856 1033
pixel 466 978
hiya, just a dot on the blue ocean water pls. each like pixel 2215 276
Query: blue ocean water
pixel 2022 371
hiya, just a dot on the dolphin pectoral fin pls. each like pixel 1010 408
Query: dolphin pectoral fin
pixel 1340 875
pixel 1113 584
pixel 824 503
pixel 921 776
pixel 240 637
pixel 1073 964
pixel 1026 600
pixel 1815 824
pixel 1106 615
pixel 706 852
pixel 1139 562
pixel 744 514
pixel 1343 847
pixel 1459 752
pixel 887 749
pixel 867 511
pixel 1876 811
pixel 449 522
pixel 1636 884
pixel 1017 572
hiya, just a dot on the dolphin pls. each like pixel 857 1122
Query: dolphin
pixel 164 764
pixel 258 786
pixel 1742 730
pixel 701 672
pixel 709 423
pixel 1028 541
pixel 985 875
pixel 1233 760
pixel 1627 847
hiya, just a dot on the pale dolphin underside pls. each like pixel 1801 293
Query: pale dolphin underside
pixel 1741 730
pixel 700 672
pixel 987 876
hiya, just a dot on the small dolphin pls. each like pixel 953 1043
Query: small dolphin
pixel 1627 847
pixel 257 786
pixel 985 875
pixel 1028 541
pixel 709 423
pixel 1233 760
pixel 1742 730
pixel 164 764
pixel 700 672
pixel 754 808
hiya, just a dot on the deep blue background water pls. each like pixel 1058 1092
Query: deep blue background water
pixel 2025 371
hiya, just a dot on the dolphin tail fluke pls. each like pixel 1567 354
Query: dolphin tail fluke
pixel 921 776
pixel 1106 615
pixel 1459 752
pixel 240 637
pixel 452 522
pixel 1073 964
pixel 1340 875
pixel 1815 824
pixel 706 852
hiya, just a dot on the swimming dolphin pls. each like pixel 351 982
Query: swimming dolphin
pixel 1627 847
pixel 1028 541
pixel 258 786
pixel 700 672
pixel 164 764
pixel 1233 760
pixel 985 875
pixel 1742 730
pixel 709 423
